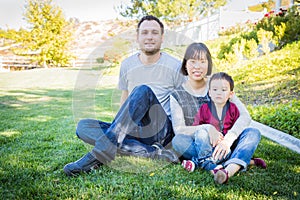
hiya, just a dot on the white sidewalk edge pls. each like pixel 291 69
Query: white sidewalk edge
pixel 277 136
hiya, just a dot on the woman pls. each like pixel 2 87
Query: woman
pixel 237 146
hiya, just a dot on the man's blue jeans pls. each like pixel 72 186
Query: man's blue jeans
pixel 141 117
pixel 242 149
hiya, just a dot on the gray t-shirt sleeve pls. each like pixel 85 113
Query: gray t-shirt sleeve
pixel 126 65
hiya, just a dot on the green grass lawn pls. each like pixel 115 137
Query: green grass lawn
pixel 39 110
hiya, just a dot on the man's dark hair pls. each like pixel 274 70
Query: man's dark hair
pixel 150 18
pixel 222 76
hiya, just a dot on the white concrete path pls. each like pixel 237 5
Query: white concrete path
pixel 278 136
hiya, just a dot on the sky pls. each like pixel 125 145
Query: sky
pixel 11 11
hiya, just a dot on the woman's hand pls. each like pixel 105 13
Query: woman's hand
pixel 214 135
pixel 221 150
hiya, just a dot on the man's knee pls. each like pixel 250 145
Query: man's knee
pixel 82 126
pixel 142 88
pixel 141 92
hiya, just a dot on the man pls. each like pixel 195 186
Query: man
pixel 142 126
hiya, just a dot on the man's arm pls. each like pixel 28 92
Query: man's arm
pixel 124 96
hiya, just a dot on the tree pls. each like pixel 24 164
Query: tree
pixel 48 35
pixel 175 10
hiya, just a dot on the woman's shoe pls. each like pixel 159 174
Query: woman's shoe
pixel 259 163
pixel 221 176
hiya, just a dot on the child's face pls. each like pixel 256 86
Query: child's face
pixel 197 68
pixel 219 91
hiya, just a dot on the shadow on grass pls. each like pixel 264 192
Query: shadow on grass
pixel 37 138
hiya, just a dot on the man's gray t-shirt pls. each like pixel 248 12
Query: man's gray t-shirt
pixel 162 77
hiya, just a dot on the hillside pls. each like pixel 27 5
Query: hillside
pixel 92 38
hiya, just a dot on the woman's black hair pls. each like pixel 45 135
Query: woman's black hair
pixel 195 51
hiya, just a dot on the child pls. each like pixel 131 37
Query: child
pixel 218 112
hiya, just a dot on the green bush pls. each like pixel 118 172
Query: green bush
pixel 250 50
pixel 291 20
pixel 100 60
pixel 250 35
pixel 264 39
pixel 284 117
pixel 279 34
pixel 292 32
pixel 227 48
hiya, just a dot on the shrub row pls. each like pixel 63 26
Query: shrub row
pixel 270 33
pixel 284 117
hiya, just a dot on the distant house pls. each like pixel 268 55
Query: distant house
pixel 233 13
pixel 208 28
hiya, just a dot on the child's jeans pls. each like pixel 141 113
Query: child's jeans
pixel 204 149
pixel 242 149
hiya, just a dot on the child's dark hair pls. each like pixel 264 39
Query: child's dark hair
pixel 220 76
pixel 150 18
pixel 195 51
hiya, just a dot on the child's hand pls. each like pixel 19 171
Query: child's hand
pixel 221 150
pixel 215 136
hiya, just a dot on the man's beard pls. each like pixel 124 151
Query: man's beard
pixel 150 52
